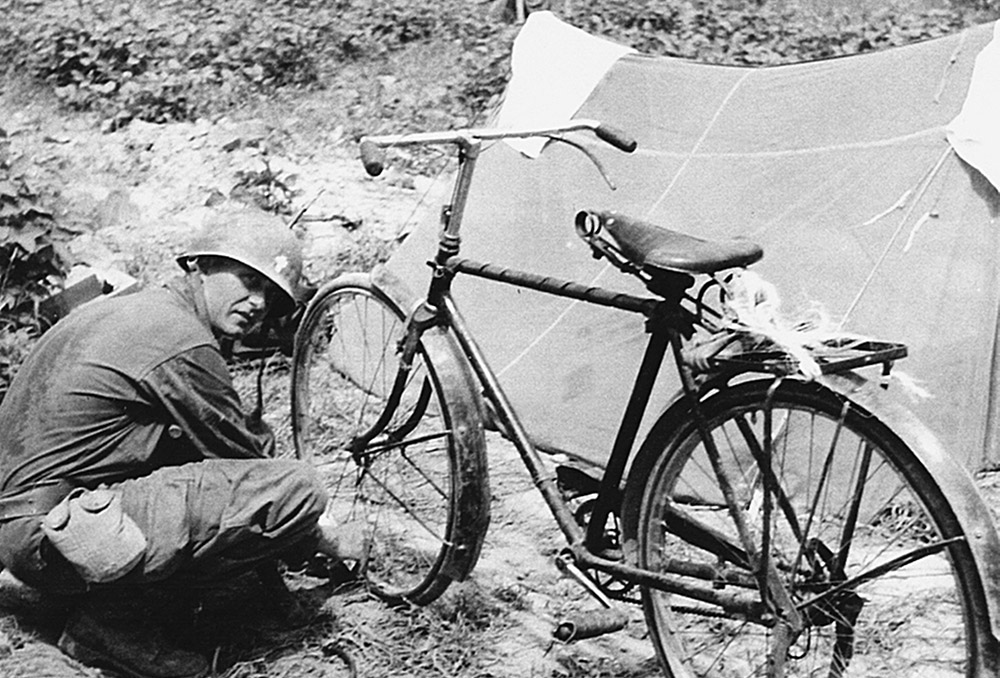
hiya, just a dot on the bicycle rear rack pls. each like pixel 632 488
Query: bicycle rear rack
pixel 837 355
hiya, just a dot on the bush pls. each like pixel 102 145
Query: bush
pixel 757 32
pixel 29 260
pixel 159 62
pixel 31 267
pixel 15 344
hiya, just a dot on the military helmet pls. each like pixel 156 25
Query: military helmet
pixel 256 239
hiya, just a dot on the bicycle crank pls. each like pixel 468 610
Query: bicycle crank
pixel 567 565
pixel 587 624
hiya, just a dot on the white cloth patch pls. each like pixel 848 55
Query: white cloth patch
pixel 554 68
pixel 975 131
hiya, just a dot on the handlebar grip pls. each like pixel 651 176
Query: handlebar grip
pixel 372 157
pixel 615 137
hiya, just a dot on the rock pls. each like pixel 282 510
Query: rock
pixel 326 239
pixel 117 209
pixel 87 249
pixel 215 197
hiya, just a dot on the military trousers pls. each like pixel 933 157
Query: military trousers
pixel 204 522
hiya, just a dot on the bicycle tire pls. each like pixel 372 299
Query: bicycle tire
pixel 420 487
pixel 926 618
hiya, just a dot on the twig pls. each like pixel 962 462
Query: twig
pixel 302 211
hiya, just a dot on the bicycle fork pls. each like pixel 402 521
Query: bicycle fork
pixel 423 317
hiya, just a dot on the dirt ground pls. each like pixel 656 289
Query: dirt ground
pixel 132 197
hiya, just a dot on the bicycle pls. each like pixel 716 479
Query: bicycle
pixel 769 524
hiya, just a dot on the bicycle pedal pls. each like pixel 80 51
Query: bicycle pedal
pixel 590 624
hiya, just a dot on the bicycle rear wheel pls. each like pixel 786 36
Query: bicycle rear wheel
pixel 418 482
pixel 854 526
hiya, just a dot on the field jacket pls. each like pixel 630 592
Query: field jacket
pixel 121 387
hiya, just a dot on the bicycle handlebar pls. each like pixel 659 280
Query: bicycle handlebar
pixel 373 156
pixel 616 137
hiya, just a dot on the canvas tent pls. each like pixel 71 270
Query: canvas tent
pixel 841 169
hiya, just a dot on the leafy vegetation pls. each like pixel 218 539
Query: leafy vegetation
pixel 182 59
pixel 266 188
pixel 758 32
pixel 30 264
pixel 28 257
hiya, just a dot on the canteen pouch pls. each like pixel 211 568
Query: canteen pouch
pixel 91 531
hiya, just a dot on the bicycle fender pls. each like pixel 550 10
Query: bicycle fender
pixel 459 386
pixel 954 480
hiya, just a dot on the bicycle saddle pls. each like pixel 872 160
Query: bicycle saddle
pixel 652 246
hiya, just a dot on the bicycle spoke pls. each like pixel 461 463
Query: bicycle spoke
pixel 703 536
pixel 850 521
pixel 409 511
pixel 821 488
pixel 896 563
pixel 750 438
pixel 423 474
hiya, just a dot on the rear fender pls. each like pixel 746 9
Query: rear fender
pixel 954 480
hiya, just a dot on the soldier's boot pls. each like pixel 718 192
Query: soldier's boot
pixel 118 636
pixel 287 610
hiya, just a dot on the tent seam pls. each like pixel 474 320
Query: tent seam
pixel 861 145
pixel 694 150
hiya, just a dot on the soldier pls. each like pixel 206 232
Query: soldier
pixel 128 465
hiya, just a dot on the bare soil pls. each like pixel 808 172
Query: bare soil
pixel 131 198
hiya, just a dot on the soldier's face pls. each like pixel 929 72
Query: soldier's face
pixel 236 296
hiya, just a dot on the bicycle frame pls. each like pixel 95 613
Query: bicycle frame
pixel 440 309
pixel 666 322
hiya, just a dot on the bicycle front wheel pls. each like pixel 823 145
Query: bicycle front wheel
pixel 841 515
pixel 413 473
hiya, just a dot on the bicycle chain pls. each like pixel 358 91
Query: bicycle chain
pixel 700 611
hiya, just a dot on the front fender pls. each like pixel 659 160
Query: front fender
pixel 459 385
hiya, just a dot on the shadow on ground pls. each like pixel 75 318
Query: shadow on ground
pixel 238 627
